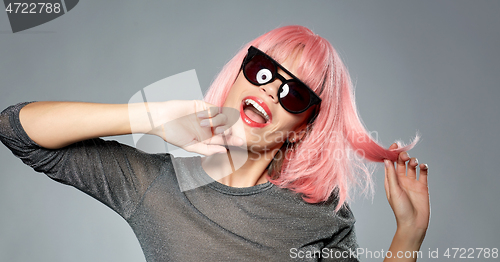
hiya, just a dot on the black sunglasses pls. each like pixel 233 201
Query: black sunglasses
pixel 293 95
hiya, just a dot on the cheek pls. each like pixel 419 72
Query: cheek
pixel 232 97
pixel 234 94
pixel 289 122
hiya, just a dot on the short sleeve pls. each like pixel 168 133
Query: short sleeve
pixel 115 174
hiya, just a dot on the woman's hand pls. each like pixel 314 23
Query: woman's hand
pixel 195 126
pixel 409 199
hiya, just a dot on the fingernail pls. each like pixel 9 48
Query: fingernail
pixel 387 163
pixel 224 150
pixel 408 155
pixel 204 122
pixel 219 130
pixel 426 166
pixel 202 114
pixel 416 161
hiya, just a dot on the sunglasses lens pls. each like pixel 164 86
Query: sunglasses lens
pixel 259 70
pixel 294 96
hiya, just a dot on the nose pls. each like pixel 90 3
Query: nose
pixel 271 89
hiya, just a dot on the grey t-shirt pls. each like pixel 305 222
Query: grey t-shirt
pixel 213 222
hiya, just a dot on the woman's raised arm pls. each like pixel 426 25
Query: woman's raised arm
pixel 57 124
pixel 54 125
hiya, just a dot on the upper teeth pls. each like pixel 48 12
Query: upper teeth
pixel 258 107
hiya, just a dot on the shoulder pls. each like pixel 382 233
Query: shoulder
pixel 111 153
pixel 322 212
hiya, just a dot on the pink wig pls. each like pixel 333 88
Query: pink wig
pixel 326 160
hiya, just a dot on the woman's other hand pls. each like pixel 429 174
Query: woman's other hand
pixel 194 125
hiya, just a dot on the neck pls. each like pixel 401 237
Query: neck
pixel 239 168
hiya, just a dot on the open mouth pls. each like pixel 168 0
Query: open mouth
pixel 254 112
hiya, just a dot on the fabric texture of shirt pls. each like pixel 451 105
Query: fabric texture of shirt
pixel 213 222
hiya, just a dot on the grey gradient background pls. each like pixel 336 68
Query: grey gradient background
pixel 427 66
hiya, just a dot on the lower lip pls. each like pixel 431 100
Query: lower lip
pixel 249 121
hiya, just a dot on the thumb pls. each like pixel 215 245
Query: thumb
pixel 205 149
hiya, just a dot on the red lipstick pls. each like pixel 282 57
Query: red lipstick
pixel 249 121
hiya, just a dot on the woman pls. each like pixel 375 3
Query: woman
pixel 296 129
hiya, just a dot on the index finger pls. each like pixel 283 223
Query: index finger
pixel 391 176
pixel 402 158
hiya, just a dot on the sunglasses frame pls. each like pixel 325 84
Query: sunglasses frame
pixel 252 52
